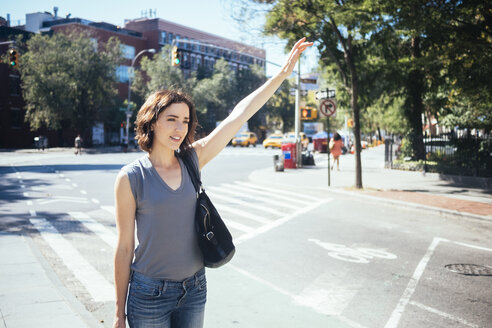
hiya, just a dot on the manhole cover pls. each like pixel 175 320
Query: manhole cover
pixel 470 269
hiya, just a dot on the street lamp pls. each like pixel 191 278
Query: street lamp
pixel 128 111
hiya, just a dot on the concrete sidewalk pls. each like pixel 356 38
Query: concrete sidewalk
pixel 470 197
pixel 31 294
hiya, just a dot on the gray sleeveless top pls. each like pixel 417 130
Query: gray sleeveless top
pixel 168 247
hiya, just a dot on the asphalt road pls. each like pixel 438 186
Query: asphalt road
pixel 303 259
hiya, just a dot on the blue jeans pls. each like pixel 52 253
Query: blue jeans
pixel 156 303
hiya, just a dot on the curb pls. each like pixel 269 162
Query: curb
pixel 439 210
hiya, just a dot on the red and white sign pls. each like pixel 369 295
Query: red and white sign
pixel 328 107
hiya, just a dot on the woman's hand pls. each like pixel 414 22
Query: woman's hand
pixel 294 54
pixel 119 322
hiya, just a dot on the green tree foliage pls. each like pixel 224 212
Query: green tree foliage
pixel 281 106
pixel 65 80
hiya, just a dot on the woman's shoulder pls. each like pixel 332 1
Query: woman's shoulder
pixel 136 165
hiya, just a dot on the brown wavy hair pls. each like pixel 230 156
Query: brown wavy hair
pixel 155 104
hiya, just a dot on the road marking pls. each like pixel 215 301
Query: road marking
pixel 297 195
pixel 245 214
pixel 109 209
pixel 354 255
pixel 83 192
pixel 29 203
pixel 266 193
pixel 412 284
pixel 95 201
pixel 64 199
pixel 23 186
pixel 95 284
pixel 75 185
pixel 288 294
pixel 26 194
pixel 240 202
pixel 444 314
pixel 473 246
pixel 100 230
pixel 228 191
pixel 279 222
pixel 33 213
pixel 237 226
pixel 67 180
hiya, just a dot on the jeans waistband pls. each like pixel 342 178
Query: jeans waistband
pixel 168 282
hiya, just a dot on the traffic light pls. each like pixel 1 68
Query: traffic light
pixel 175 57
pixel 13 58
pixel 308 113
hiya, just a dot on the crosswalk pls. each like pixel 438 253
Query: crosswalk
pixel 247 209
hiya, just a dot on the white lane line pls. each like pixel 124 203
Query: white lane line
pixel 95 284
pixel 109 209
pixel 282 192
pixel 237 226
pixel 288 294
pixel 266 193
pixel 61 175
pixel 228 191
pixel 33 213
pixel 473 246
pixel 240 202
pixel 75 185
pixel 26 194
pixel 101 231
pixel 67 180
pixel 444 314
pixel 83 192
pixel 95 201
pixel 412 284
pixel 279 222
pixel 245 214
pixel 29 203
pixel 23 186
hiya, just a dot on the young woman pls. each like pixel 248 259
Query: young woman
pixel 336 145
pixel 165 272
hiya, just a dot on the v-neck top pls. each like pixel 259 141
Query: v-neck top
pixel 167 242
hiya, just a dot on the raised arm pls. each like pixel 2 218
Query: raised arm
pixel 210 146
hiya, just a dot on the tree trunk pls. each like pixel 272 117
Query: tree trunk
pixel 358 148
pixel 415 104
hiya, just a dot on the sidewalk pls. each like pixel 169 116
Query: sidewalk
pixel 31 294
pixel 469 197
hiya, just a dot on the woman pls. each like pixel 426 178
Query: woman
pixel 167 277
pixel 336 145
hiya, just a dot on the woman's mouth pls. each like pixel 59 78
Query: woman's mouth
pixel 175 139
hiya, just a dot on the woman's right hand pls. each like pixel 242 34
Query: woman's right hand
pixel 119 322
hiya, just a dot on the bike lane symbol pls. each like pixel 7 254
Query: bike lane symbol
pixel 354 255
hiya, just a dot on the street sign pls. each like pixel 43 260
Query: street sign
pixel 328 107
pixel 325 94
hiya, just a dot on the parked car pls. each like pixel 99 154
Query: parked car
pixel 273 141
pixel 245 139
pixel 291 137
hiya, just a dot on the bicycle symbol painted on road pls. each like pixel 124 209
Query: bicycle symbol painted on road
pixel 354 255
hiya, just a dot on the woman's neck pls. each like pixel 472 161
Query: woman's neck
pixel 163 157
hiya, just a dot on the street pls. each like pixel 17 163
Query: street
pixel 305 257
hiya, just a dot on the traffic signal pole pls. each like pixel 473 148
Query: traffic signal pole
pixel 298 115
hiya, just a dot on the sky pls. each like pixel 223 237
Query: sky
pixel 212 16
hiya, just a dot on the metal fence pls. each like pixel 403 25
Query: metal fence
pixel 464 154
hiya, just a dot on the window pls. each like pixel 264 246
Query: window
pixel 170 38
pixel 127 51
pixel 186 44
pixel 177 41
pixel 163 37
pixel 122 73
pixel 15 118
pixel 14 84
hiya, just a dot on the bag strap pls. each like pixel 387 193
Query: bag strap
pixel 193 172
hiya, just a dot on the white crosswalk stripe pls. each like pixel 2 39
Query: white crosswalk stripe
pixel 104 233
pixel 278 191
pixel 217 194
pixel 95 284
pixel 269 194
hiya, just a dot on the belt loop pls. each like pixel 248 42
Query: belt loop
pixel 131 275
pixel 196 278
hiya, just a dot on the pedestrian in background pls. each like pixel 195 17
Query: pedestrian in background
pixel 78 145
pixel 336 145
pixel 162 281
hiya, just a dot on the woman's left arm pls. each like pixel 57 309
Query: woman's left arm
pixel 210 146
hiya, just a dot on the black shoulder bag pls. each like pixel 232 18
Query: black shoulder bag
pixel 214 239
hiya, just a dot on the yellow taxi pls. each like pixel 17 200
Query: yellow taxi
pixel 245 139
pixel 273 141
pixel 291 137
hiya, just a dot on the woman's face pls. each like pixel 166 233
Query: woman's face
pixel 171 126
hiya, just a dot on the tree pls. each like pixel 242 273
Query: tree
pixel 65 80
pixel 282 106
pixel 342 30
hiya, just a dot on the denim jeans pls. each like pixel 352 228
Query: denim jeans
pixel 156 303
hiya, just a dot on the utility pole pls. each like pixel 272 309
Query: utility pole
pixel 297 118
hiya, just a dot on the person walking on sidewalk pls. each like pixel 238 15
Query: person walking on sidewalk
pixel 78 145
pixel 336 145
pixel 162 282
